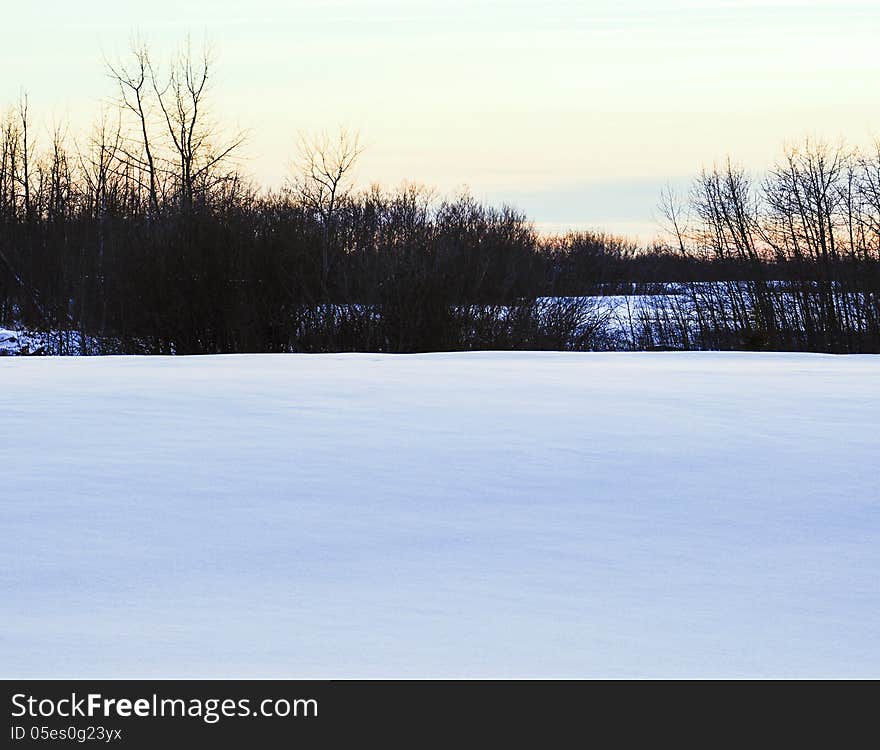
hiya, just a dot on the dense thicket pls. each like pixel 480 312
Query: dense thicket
pixel 807 242
pixel 146 239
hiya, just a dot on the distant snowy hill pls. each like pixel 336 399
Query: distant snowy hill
pixel 521 514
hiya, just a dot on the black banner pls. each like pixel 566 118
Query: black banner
pixel 170 713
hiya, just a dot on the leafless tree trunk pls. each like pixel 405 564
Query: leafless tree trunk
pixel 133 92
pixel 25 176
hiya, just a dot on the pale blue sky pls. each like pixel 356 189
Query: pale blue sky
pixel 576 111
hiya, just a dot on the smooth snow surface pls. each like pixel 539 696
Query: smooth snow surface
pixel 585 515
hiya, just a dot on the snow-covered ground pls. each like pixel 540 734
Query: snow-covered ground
pixel 516 514
pixel 24 342
pixel 15 342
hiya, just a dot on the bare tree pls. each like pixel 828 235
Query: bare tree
pixel 8 165
pixel 177 141
pixel 134 92
pixel 98 162
pixel 323 179
pixel 25 154
pixel 674 211
pixel 181 99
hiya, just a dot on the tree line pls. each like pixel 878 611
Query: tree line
pixel 146 237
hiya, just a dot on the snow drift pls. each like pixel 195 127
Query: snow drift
pixel 522 514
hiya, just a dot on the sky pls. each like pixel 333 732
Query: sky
pixel 579 113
